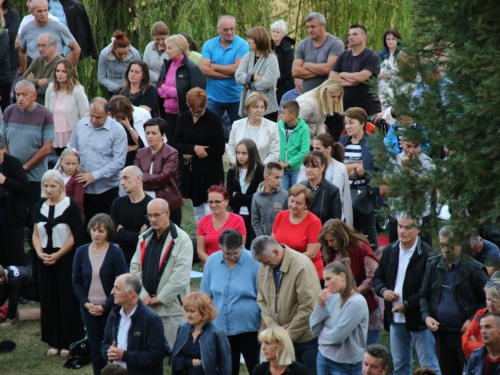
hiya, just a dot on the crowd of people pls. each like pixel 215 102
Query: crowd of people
pixel 294 280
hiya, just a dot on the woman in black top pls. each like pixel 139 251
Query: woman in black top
pixel 11 17
pixel 137 88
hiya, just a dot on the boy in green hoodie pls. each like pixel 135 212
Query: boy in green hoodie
pixel 294 142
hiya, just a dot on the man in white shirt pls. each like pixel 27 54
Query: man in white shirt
pixel 398 280
pixel 133 337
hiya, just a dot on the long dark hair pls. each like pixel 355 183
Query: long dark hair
pixel 253 160
pixel 345 235
pixel 344 266
pixel 6 5
pixel 125 87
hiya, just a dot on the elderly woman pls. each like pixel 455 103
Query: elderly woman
pixel 137 89
pixel 259 71
pixel 114 60
pixel 199 335
pixel 200 139
pixel 211 226
pixel 277 354
pixel 257 128
pixel 95 268
pixel 57 232
pixel 158 163
pixel 298 228
pixel 359 162
pixel 14 186
pixel 230 279
pixel 156 51
pixel 177 76
pixel 281 45
pixel 338 241
pixel 326 196
pixel 132 119
pixel 316 104
pixel 335 171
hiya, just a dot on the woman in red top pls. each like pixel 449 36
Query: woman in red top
pixel 338 241
pixel 298 228
pixel 211 226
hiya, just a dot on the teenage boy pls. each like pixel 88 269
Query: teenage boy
pixel 294 142
pixel 268 200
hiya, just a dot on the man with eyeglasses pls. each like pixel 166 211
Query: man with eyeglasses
pixel 41 70
pixel 220 57
pixel 452 292
pixel 398 280
pixel 163 262
pixel 43 24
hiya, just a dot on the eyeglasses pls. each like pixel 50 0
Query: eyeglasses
pixel 229 254
pixel 228 29
pixel 43 46
pixel 156 216
pixel 214 202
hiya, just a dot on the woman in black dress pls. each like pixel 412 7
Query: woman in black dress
pixel 199 137
pixel 57 232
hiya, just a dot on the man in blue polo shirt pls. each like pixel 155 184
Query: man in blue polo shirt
pixel 220 58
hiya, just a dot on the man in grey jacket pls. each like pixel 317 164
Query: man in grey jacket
pixel 268 200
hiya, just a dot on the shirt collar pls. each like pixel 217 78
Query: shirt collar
pixel 107 124
pixel 122 313
pixel 410 250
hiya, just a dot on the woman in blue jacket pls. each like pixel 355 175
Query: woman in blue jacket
pixel 95 268
pixel 200 348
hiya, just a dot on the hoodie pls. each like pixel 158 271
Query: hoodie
pixel 265 207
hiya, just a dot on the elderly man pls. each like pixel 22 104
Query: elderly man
pixel 129 212
pixel 102 144
pixel 452 292
pixel 41 70
pixel 315 56
pixel 398 280
pixel 42 24
pixel 486 360
pixel 376 360
pixel 220 57
pixel 163 262
pixel 288 289
pixel 28 129
pixel 133 336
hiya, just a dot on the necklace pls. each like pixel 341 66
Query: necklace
pixel 97 253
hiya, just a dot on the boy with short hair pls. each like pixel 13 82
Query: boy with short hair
pixel 268 200
pixel 294 142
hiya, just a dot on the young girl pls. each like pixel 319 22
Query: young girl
pixel 242 182
pixel 70 167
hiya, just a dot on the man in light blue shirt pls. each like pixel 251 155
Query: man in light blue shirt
pixel 102 146
pixel 220 58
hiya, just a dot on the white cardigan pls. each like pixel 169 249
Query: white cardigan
pixel 140 116
pixel 268 144
pixel 77 104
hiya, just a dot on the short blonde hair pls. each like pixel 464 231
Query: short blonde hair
pixel 280 336
pixel 201 302
pixel 300 188
pixel 323 93
pixel 55 175
pixel 178 42
pixel 254 98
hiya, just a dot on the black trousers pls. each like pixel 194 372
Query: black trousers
pixel 247 219
pixel 98 204
pixel 449 352
pixel 12 246
pixel 245 343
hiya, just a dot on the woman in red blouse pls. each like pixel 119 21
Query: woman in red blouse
pixel 211 226
pixel 298 228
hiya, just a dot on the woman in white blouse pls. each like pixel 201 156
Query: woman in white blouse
pixel 257 128
pixel 57 232
pixel 66 99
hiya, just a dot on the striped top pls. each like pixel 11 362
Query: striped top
pixel 353 155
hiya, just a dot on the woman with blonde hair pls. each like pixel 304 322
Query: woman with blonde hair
pixel 277 354
pixel 66 99
pixel 259 71
pixel 316 104
pixel 199 335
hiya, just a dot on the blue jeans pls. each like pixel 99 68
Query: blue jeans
pixel 401 349
pixel 289 179
pixel 94 326
pixel 372 337
pixel 328 367
pixel 306 353
pixel 219 108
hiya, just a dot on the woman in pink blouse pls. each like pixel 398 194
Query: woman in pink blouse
pixel 211 226
pixel 338 241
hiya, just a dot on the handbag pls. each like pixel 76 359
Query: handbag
pixel 79 354
pixel 363 200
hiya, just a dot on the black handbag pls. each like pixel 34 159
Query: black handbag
pixel 363 200
pixel 79 354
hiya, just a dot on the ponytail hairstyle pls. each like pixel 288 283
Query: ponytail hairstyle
pixel 337 150
pixel 120 40
pixel 253 160
pixel 344 266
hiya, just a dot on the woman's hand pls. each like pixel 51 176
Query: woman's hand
pixel 187 157
pixel 196 362
pixel 323 295
pixel 124 121
pixel 132 148
pixel 98 310
pixel 49 259
pixel 200 151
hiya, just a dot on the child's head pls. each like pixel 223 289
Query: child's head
pixel 246 153
pixel 289 110
pixel 70 162
pixel 273 174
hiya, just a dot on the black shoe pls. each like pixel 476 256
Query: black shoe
pixel 23 301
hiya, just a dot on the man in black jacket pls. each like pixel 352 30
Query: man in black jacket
pixel 452 292
pixel 133 337
pixel 16 283
pixel 398 280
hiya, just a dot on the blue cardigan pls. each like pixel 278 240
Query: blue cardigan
pixel 113 266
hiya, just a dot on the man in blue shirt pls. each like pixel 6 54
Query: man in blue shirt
pixel 102 146
pixel 485 252
pixel 220 58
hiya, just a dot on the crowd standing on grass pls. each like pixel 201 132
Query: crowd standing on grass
pixel 292 266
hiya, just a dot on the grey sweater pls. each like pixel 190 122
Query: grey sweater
pixel 342 330
pixel 265 207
